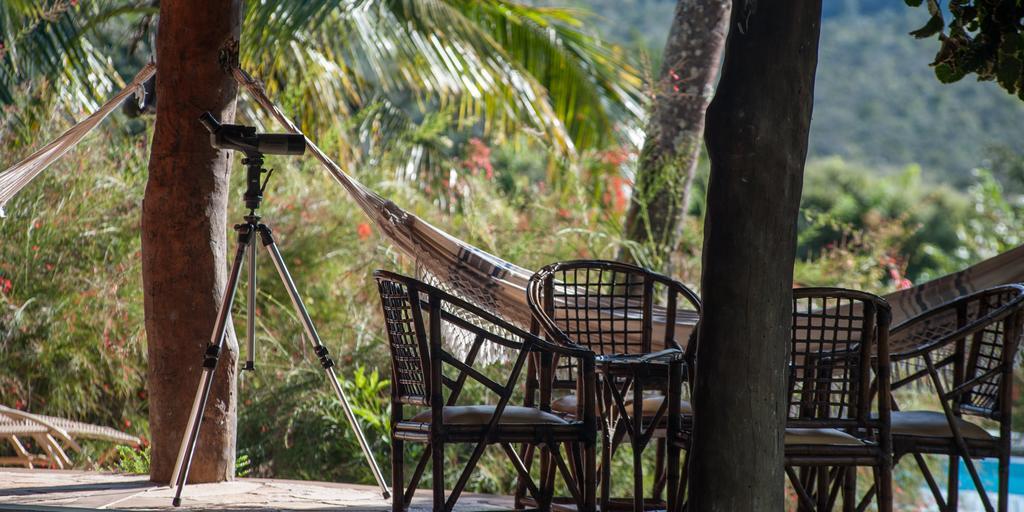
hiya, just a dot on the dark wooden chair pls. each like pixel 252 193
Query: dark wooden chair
pixel 620 311
pixel 839 342
pixel 839 356
pixel 965 351
pixel 415 315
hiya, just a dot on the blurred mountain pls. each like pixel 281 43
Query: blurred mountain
pixel 876 99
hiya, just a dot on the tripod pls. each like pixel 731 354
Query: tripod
pixel 247 234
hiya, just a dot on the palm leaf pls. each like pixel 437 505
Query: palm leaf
pixel 510 66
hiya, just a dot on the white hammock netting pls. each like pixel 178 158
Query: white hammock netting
pixel 475 275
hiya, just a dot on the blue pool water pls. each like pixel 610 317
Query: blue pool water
pixel 988 470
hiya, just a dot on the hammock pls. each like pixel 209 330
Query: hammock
pixel 500 286
pixel 20 174
pixel 483 278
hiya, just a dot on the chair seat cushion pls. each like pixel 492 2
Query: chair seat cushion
pixel 829 436
pixel 933 424
pixel 481 414
pixel 568 403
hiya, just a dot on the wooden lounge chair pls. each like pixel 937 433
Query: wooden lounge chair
pixel 608 307
pixel 966 350
pixel 415 315
pixel 52 435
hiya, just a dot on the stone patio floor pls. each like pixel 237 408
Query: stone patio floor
pixel 61 491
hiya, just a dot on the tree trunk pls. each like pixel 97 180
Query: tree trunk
pixel 668 160
pixel 184 228
pixel 757 133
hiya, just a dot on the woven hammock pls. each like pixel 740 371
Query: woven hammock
pixel 20 174
pixel 476 275
pixel 500 286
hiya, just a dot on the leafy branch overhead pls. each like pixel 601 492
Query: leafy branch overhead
pixel 983 37
pixel 500 66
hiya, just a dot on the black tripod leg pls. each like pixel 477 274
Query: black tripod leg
pixel 321 352
pixel 188 441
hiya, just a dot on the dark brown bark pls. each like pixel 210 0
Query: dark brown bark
pixel 757 127
pixel 184 228
pixel 668 160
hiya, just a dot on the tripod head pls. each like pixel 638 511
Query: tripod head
pixel 242 138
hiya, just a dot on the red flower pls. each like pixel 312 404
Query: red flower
pixel 479 157
pixel 5 285
pixel 364 230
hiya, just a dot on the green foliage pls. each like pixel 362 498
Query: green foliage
pixel 982 37
pixel 131 460
pixel 71 314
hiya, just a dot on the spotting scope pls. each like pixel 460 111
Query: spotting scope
pixel 244 138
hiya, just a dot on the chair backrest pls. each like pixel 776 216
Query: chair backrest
pixel 839 342
pixel 407 341
pixel 608 306
pixel 973 339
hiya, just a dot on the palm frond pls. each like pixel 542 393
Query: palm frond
pixel 46 47
pixel 509 66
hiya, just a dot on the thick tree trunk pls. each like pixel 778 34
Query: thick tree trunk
pixel 668 160
pixel 184 228
pixel 757 141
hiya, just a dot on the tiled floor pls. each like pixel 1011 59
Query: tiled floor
pixel 61 491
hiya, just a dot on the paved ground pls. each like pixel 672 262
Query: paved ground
pixel 62 491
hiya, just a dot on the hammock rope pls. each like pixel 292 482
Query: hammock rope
pixel 22 173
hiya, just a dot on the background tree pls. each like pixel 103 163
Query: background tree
pixel 671 150
pixel 756 136
pixel 184 235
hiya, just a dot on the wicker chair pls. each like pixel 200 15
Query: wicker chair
pixel 839 339
pixel 839 344
pixel 965 349
pixel 415 315
pixel 610 308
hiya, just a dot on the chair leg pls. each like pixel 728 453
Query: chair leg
pixel 883 481
pixel 1004 480
pixel 638 465
pixel 547 490
pixel 589 476
pixel 659 469
pixel 397 477
pixel 437 465
pixel 850 489
pixel 606 469
pixel 672 473
pixel 821 494
pixel 526 454
pixel 953 483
